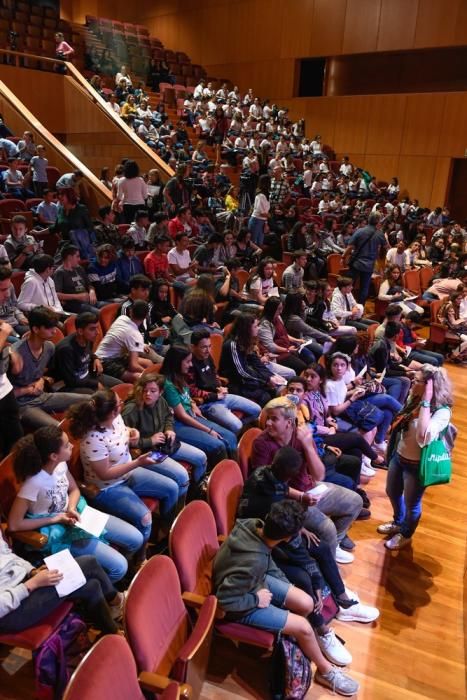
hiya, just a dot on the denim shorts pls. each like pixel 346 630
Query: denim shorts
pixel 274 617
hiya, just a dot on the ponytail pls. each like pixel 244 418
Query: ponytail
pixel 32 451
pixel 87 415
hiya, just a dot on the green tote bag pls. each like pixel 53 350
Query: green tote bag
pixel 435 463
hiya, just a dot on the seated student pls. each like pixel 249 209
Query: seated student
pixel 270 484
pixel 38 288
pixel 337 508
pixel 122 348
pixel 409 339
pixel 72 283
pixel 392 290
pixel 344 306
pixel 138 230
pixel 102 274
pixel 292 277
pixel 8 149
pixel 36 353
pixel 139 289
pixel 148 412
pixel 207 254
pixel 106 231
pixel 9 311
pixel 14 181
pixel 47 210
pixel 156 264
pixel 28 595
pixel 341 467
pixel 249 374
pixel 441 288
pixel 20 246
pixel 251 589
pixel 190 425
pixel 261 284
pixel 214 400
pixel 49 500
pixel 180 263
pixel 128 265
pixel 162 310
pixel 75 363
pixel 38 164
pixel 122 482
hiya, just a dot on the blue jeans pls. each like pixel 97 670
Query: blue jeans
pixel 195 457
pixel 397 387
pixel 365 279
pixel 119 533
pixel 427 356
pixel 123 500
pixel 389 406
pixel 172 470
pixel 428 296
pixel 274 617
pixel 405 492
pixel 256 228
pixel 215 449
pixel 333 515
pixel 221 411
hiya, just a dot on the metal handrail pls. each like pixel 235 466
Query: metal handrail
pixel 89 91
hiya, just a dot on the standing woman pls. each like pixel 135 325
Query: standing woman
pixel 258 219
pixel 63 50
pixel 132 191
pixel 425 415
pixel 219 130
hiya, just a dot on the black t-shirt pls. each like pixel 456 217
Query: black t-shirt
pixel 71 282
pixel 72 363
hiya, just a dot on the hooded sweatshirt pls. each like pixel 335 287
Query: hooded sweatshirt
pixel 13 571
pixel 240 569
pixel 36 291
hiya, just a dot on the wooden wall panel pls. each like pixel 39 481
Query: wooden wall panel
pixel 416 174
pixel 297 20
pixel 385 125
pixel 352 118
pixel 397 24
pixel 422 127
pixel 327 29
pixel 46 98
pixel 361 26
pixel 320 115
pixel 436 23
pixel 383 167
pixel 440 181
pixel 453 139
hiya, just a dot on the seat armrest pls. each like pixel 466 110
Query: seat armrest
pixel 201 631
pixel 32 538
pixel 155 683
pixel 193 600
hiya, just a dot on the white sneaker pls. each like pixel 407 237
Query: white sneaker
pixel 388 529
pixel 358 612
pixel 343 557
pixel 367 471
pixel 398 541
pixel 333 649
pixel 381 446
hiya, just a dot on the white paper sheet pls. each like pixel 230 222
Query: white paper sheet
pixel 362 372
pixel 73 577
pixel 318 491
pixel 92 521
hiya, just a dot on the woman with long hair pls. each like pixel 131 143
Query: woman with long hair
pixel 240 362
pixel 450 316
pixel 294 315
pixel 132 191
pixel 261 284
pixel 122 482
pixel 392 290
pixel 162 310
pixel 148 412
pixel 274 339
pixel 49 500
pixel 318 311
pixel 425 416
pixel 247 251
pixel 198 306
pixel 189 424
pixel 258 219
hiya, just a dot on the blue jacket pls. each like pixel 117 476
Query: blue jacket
pixel 126 268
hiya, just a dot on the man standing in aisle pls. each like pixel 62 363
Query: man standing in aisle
pixel 362 252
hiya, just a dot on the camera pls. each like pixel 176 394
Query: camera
pixel 12 36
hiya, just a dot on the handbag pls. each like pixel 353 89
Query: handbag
pixel 372 386
pixel 435 462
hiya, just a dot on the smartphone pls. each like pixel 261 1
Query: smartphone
pixel 158 457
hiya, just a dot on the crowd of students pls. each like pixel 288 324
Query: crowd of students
pixel 295 356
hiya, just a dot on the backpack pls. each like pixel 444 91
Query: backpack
pixel 58 656
pixel 291 670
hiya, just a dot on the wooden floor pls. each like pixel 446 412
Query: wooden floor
pixel 416 650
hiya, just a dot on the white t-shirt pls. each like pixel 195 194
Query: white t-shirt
pixel 122 337
pixel 266 287
pixel 99 444
pixel 47 493
pixel 336 391
pixel 182 259
pixel 261 207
